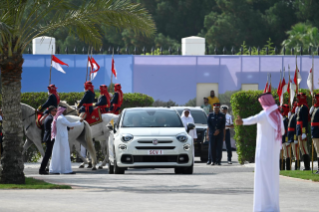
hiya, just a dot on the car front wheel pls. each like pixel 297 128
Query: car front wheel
pixel 118 170
pixel 188 170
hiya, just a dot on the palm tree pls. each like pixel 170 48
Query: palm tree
pixel 20 22
pixel 302 35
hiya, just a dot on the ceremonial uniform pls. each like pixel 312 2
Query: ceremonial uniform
pixel 53 100
pixel 285 151
pixel 302 128
pixel 104 100
pixel 117 99
pixel 86 103
pixel 215 121
pixel 315 127
pixel 292 138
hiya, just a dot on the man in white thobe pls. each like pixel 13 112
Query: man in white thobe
pixel 187 118
pixel 270 129
pixel 61 163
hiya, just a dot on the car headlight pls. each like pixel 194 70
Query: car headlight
pixel 127 137
pixel 182 137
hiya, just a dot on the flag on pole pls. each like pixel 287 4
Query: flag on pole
pixel 297 77
pixel 269 86
pixel 56 64
pixel 279 86
pixel 283 91
pixel 113 68
pixel 94 67
pixel 292 92
pixel 309 81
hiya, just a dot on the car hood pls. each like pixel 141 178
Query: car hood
pixel 148 131
pixel 201 126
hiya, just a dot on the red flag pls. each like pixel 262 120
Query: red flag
pixel 269 88
pixel 266 87
pixel 113 68
pixel 279 90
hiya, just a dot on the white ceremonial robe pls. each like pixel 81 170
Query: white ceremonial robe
pixel 266 185
pixel 61 162
pixel 187 120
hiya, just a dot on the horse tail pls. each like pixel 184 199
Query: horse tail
pixel 89 142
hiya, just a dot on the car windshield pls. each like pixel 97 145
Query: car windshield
pixel 151 118
pixel 199 116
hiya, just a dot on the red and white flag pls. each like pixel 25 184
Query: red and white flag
pixel 113 68
pixel 94 68
pixel 283 90
pixel 56 63
pixel 309 81
pixel 297 77
pixel 279 87
pixel 266 87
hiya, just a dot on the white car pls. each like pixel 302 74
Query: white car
pixel 150 138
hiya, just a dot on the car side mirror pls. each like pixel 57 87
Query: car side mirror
pixel 114 129
pixel 190 126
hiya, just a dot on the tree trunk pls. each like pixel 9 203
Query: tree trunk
pixel 12 158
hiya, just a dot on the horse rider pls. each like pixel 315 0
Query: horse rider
pixel 104 99
pixel 86 103
pixel 117 99
pixel 53 100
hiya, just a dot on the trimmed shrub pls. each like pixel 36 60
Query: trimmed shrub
pixel 245 104
pixel 35 99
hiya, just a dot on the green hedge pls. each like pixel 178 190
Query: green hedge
pixel 245 104
pixel 129 100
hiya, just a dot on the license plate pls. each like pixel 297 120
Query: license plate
pixel 155 152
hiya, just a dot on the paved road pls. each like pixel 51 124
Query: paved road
pixel 214 188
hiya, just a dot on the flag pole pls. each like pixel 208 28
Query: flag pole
pixel 91 69
pixel 112 70
pixel 290 106
pixel 51 66
pixel 87 65
pixel 312 105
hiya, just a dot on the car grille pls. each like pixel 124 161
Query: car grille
pixel 155 147
pixel 150 142
pixel 159 159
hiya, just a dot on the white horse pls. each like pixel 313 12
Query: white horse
pixel 81 134
pixel 100 131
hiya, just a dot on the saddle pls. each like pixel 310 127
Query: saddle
pixel 38 116
pixel 95 117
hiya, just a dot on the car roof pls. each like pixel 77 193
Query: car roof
pixel 186 107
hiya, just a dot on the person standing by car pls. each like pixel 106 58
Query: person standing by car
pixel 229 124
pixel 212 99
pixel 47 139
pixel 215 135
pixel 187 118
pixel 206 106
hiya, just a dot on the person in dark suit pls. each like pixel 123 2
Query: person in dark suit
pixel 47 139
pixel 215 134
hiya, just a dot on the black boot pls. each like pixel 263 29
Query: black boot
pixel 297 164
pixel 288 164
pixel 306 162
pixel 281 164
pixel 318 166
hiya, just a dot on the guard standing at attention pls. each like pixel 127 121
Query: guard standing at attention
pixel 285 144
pixel 292 138
pixel 302 128
pixel 215 135
pixel 104 101
pixel 53 100
pixel 315 126
pixel 86 103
